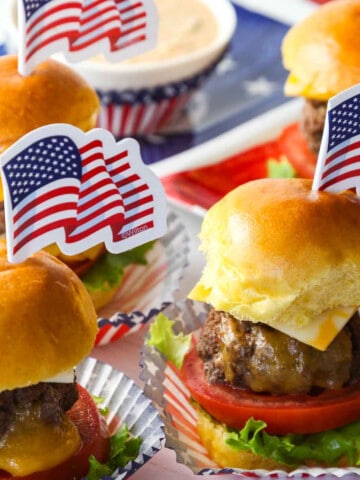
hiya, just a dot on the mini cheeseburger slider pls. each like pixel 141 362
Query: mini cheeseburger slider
pixel 322 54
pixel 277 360
pixel 49 425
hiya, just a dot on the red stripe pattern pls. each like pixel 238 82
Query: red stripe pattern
pixel 140 119
pixel 82 28
pixel 43 183
pixel 99 203
pixel 338 165
pixel 79 190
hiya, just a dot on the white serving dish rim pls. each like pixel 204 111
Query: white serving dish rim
pixel 119 76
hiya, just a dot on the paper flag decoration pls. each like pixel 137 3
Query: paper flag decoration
pixel 82 28
pixel 338 165
pixel 78 189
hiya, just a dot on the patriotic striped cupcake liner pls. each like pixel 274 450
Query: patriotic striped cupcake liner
pixel 165 388
pixel 146 111
pixel 146 289
pixel 127 405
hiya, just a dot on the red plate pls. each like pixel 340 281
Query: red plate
pixel 206 185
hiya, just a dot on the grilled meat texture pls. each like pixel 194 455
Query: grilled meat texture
pixel 312 122
pixel 257 357
pixel 53 400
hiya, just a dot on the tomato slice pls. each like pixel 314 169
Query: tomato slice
pixel 282 414
pixel 293 145
pixel 95 441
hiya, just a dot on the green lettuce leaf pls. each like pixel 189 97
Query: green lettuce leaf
pixel 324 448
pixel 108 271
pixel 123 448
pixel 163 337
pixel 98 402
pixel 280 168
pixel 293 450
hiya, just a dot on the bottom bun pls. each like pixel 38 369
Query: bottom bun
pixel 213 434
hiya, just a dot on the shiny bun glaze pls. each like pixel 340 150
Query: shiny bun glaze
pixel 278 252
pixel 52 93
pixel 47 320
pixel 322 52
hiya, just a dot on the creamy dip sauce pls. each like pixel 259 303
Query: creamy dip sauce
pixel 184 27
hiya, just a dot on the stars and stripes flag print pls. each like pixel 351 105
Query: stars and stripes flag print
pixel 139 22
pixel 83 28
pixel 338 164
pixel 78 190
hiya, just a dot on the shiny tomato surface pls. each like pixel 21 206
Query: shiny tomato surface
pixel 283 414
pixel 95 441
pixel 293 145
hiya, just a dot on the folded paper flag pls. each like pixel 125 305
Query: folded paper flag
pixel 82 28
pixel 338 164
pixel 78 189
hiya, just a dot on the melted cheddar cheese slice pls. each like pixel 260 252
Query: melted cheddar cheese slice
pixel 30 445
pixel 322 330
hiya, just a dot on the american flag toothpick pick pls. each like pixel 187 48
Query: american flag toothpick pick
pixel 338 165
pixel 83 28
pixel 78 190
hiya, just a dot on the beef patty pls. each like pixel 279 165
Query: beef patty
pixel 312 122
pixel 53 399
pixel 262 359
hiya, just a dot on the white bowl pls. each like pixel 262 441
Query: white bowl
pixel 136 76
pixel 141 98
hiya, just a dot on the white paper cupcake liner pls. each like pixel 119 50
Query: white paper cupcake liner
pixel 147 110
pixel 146 289
pixel 164 386
pixel 127 402
pixel 140 119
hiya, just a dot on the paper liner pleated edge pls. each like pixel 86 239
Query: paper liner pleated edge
pixel 164 387
pixel 176 248
pixel 148 110
pixel 128 403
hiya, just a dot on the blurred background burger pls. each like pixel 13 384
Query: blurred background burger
pixel 322 54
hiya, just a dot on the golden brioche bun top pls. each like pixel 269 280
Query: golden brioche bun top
pixel 322 52
pixel 48 323
pixel 279 253
pixel 52 93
